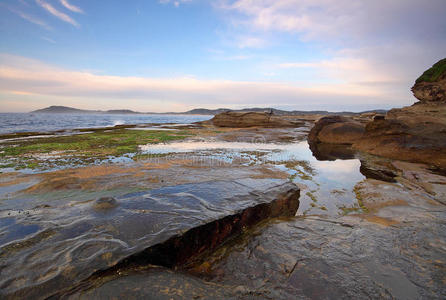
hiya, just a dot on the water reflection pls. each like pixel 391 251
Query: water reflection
pixel 331 151
pixel 326 185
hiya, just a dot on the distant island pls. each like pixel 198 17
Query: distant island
pixel 198 111
pixel 70 110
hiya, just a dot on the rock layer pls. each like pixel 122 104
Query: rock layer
pixel 251 119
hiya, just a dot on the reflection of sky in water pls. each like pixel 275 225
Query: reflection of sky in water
pixel 339 173
pixel 331 182
pixel 193 146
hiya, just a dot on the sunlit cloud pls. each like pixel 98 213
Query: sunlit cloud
pixel 344 69
pixel 366 42
pixel 52 10
pixel 21 93
pixel 31 76
pixel 322 19
pixel 71 7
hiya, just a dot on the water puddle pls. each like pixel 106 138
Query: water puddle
pixel 327 186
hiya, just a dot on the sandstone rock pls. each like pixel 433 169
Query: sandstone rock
pixel 415 133
pixel 336 130
pixel 431 86
pixel 251 119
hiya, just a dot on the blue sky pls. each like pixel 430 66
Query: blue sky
pixel 176 55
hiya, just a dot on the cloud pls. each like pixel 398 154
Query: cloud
pixel 374 42
pixel 321 19
pixel 342 68
pixel 250 42
pixel 176 3
pixel 236 57
pixel 71 7
pixel 62 16
pixel 49 40
pixel 30 18
pixel 31 76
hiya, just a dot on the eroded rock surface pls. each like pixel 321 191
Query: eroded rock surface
pixel 251 119
pixel 55 248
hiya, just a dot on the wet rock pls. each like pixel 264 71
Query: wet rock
pixel 166 226
pixel 350 257
pixel 395 251
pixel 336 130
pixel 419 178
pixel 378 169
pixel 310 258
pixel 264 135
pixel 251 119
pixel 156 283
pixel 105 203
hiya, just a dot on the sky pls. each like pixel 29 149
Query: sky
pixel 176 55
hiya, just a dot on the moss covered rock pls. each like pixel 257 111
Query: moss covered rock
pixel 431 85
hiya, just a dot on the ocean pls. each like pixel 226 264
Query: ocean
pixel 25 122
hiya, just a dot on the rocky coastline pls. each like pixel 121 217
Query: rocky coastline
pixel 247 205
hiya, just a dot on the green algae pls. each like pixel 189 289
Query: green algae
pixel 80 148
pixel 302 168
pixel 358 195
pixel 348 210
pixel 312 197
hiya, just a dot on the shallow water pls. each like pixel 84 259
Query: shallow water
pixel 16 122
pixel 326 186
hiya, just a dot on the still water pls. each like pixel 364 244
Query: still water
pixel 326 186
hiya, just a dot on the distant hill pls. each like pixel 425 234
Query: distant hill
pixel 61 110
pixel 198 111
pixel 121 111
pixel 205 111
pixel 70 110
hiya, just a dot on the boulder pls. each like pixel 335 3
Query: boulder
pixel 250 119
pixel 336 130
